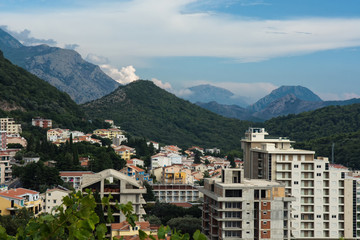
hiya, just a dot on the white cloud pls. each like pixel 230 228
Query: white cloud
pixel 95 59
pixel 337 96
pixel 160 84
pixel 159 28
pixel 124 76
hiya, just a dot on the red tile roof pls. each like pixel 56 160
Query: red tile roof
pixel 137 168
pixel 182 204
pixel 338 166
pixel 17 193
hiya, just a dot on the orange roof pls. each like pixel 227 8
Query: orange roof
pixel 17 193
pixel 125 226
pixel 137 168
pixel 182 204
pixel 74 173
pixel 338 166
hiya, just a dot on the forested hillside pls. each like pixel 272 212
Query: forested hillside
pixel 24 96
pixel 318 130
pixel 146 110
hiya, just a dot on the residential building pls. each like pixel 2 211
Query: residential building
pixel 5 168
pixel 160 160
pixel 3 140
pixel 16 139
pixel 176 193
pixel 170 149
pixel 125 230
pixel 110 133
pixel 122 188
pixel 239 208
pixel 14 199
pixel 176 174
pixel 124 151
pixel 155 145
pixel 135 162
pixel 52 198
pixel 74 178
pixel 138 173
pixel 318 211
pixel 41 122
pixel 212 150
pixel 57 133
pixel 9 125
pixel 119 139
pixel 175 158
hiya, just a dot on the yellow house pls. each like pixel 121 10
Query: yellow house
pixel 125 152
pixel 125 230
pixel 107 133
pixel 14 199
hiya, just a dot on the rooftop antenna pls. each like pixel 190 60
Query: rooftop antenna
pixel 332 153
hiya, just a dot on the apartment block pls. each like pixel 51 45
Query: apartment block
pixel 175 193
pixel 74 178
pixel 41 122
pixel 9 125
pixel 318 186
pixel 52 198
pixel 14 199
pixel 239 208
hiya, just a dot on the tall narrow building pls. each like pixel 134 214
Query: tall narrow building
pixel 318 187
pixel 239 208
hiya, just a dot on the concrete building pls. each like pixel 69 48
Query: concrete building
pixel 41 122
pixel 175 193
pixel 52 198
pixel 9 125
pixel 121 187
pixel 239 208
pixel 160 160
pixel 5 168
pixel 318 211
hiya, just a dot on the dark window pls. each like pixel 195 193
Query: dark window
pixel 233 193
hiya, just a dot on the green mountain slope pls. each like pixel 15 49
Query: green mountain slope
pixel 146 110
pixel 318 130
pixel 24 96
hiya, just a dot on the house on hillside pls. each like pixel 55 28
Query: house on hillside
pixel 14 199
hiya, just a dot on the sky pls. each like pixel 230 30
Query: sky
pixel 248 47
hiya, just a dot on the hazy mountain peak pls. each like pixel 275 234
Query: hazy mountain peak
pixel 299 92
pixel 206 93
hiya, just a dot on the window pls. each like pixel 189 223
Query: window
pixel 296 182
pixel 296 216
pixel 264 203
pixel 318 216
pixel 318 174
pixel 318 166
pixel 265 213
pixel 54 201
pixel 333 216
pixel 296 166
pixel 49 194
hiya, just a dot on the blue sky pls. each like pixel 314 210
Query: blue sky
pixel 248 47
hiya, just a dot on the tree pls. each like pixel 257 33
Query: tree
pixel 149 196
pixel 76 219
pixel 186 224
pixel 231 158
pixel 197 157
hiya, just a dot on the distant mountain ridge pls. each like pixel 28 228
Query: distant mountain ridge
pixel 62 68
pixel 206 93
pixel 280 102
pixel 298 92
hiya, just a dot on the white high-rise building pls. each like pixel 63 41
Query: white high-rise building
pixel 318 187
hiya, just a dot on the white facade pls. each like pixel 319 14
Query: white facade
pixel 175 158
pixel 160 160
pixel 318 211
pixel 52 198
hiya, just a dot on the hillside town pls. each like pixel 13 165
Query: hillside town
pixel 273 192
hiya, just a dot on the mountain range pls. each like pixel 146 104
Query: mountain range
pixel 62 68
pixel 280 102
